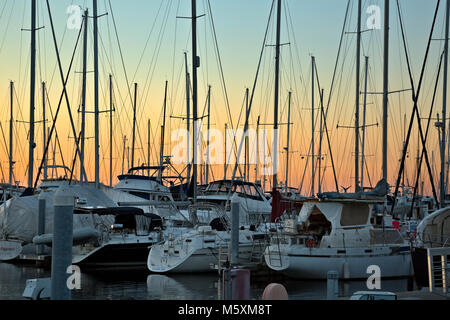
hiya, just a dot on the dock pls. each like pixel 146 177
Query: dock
pixel 423 294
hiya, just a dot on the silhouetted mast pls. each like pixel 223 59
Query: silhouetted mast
pixel 32 93
pixel 277 89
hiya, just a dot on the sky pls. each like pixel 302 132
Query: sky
pixel 148 49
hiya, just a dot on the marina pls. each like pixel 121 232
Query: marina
pixel 150 166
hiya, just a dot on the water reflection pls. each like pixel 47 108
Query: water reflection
pixel 140 285
pixel 178 287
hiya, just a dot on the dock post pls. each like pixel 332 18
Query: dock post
pixel 332 285
pixel 41 222
pixel 240 284
pixel 235 207
pixel 63 203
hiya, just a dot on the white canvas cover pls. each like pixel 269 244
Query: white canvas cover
pixel 19 216
pixel 434 230
pixel 337 213
pixel 331 211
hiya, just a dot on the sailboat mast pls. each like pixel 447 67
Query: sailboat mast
pixel 123 153
pixel 134 125
pixel 443 187
pixel 83 95
pixel 288 141
pixel 163 130
pixel 246 175
pixel 257 150
pixel 110 129
pixel 313 156
pixel 11 121
pixel 188 119
pixel 149 132
pixel 364 123
pixel 208 136
pixel 195 65
pixel 358 67
pixel 96 97
pixel 44 130
pixel 385 87
pixel 277 89
pixel 32 93
pixel 319 180
pixel 225 165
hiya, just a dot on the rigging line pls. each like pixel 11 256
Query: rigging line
pixel 174 85
pixel 3 10
pixel 60 100
pixel 295 97
pixel 147 41
pixel 340 101
pixel 56 130
pixel 21 41
pixel 224 87
pixel 416 186
pixel 234 143
pixel 337 58
pixel 121 53
pixel 50 84
pixel 74 160
pixel 62 74
pixel 252 95
pixel 152 68
pixel 4 140
pixel 7 25
pixel 153 61
pixel 206 50
pixel 415 97
pixel 16 130
pixel 222 76
pixel 323 115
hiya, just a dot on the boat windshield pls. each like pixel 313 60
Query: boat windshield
pixel 243 189
pixel 219 186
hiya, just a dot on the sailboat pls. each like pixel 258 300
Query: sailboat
pixel 19 219
pixel 206 246
pixel 337 235
pixel 336 231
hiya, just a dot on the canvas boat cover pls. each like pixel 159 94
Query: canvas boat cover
pixel 19 216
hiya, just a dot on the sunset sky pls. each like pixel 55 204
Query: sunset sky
pixel 153 42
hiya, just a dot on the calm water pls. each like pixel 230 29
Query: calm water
pixel 140 285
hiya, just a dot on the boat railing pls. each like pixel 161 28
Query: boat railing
pixel 276 238
pixel 214 211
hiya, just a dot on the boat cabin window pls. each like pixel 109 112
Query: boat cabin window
pixel 355 214
pixel 243 189
pixel 143 195
pixel 318 223
pixel 221 186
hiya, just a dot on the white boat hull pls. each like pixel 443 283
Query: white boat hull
pixel 198 253
pixel 200 261
pixel 315 263
pixel 10 250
